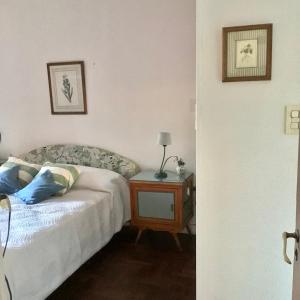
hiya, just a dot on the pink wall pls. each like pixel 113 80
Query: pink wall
pixel 140 74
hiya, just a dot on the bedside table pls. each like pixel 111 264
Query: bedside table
pixel 161 204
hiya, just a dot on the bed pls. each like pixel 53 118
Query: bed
pixel 52 239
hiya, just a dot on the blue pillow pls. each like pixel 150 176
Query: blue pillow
pixel 9 180
pixel 39 189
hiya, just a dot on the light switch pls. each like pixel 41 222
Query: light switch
pixel 294 125
pixel 292 119
pixel 294 113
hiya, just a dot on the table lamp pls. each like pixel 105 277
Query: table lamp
pixel 164 139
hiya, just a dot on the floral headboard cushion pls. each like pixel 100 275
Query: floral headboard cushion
pixel 83 155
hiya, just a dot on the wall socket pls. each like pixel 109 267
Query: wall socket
pixel 292 119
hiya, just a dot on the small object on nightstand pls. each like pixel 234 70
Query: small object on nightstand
pixel 180 169
pixel 161 204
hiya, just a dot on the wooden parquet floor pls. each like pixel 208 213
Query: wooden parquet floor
pixel 152 270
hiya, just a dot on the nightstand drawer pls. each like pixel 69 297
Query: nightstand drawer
pixel 158 205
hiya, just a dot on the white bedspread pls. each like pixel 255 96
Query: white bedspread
pixel 50 240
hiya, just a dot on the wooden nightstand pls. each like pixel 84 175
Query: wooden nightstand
pixel 161 204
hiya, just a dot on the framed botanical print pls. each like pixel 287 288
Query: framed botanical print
pixel 247 52
pixel 67 87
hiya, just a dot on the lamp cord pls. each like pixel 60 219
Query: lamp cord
pixel 8 287
pixel 8 229
pixel 6 242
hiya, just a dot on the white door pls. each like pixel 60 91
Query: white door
pixel 296 279
pixel 295 236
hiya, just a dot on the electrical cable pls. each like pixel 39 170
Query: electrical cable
pixel 6 242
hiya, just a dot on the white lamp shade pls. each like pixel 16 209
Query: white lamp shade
pixel 164 138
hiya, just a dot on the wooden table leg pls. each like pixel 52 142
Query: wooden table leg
pixel 188 229
pixel 138 236
pixel 177 241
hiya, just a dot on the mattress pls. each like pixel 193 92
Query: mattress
pixel 50 240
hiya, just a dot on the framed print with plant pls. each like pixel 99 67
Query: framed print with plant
pixel 67 87
pixel 247 53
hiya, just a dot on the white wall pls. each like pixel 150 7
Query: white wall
pixel 246 164
pixel 139 60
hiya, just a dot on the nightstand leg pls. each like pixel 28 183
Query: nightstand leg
pixel 177 241
pixel 138 236
pixel 188 229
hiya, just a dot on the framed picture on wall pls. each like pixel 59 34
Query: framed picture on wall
pixel 67 87
pixel 247 53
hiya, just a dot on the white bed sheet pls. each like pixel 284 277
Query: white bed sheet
pixel 50 240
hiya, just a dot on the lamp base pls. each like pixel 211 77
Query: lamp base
pixel 160 175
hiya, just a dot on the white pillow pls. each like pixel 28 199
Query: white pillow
pixel 104 180
pixel 96 179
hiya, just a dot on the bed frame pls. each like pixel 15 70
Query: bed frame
pixel 83 155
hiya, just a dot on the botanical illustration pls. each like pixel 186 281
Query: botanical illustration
pixel 246 54
pixel 67 88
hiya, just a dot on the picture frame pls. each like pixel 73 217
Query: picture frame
pixel 67 87
pixel 247 53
